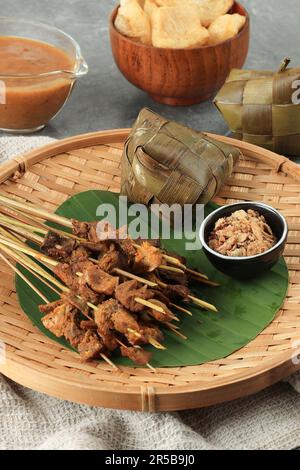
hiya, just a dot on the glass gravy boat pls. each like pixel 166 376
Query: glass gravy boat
pixel 28 101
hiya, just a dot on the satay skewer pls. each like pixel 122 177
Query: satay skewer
pixel 151 341
pixel 64 221
pixel 136 347
pixel 41 295
pixel 194 299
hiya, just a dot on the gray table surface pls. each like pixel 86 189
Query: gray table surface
pixel 105 100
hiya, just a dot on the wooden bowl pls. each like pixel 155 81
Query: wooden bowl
pixel 179 77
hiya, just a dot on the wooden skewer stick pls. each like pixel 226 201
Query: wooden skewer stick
pixel 24 233
pixel 108 361
pixel 31 209
pixel 28 251
pixel 203 304
pixel 153 306
pixel 134 277
pixel 175 331
pixel 22 276
pixel 181 309
pixel 40 227
pixel 22 263
pixel 151 341
pixel 172 269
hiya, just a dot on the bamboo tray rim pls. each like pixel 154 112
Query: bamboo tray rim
pixel 269 372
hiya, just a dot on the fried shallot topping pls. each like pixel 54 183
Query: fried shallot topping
pixel 243 233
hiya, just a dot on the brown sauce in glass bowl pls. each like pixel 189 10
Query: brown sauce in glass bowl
pixel 28 101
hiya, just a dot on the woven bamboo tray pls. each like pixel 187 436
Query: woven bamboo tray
pixel 50 175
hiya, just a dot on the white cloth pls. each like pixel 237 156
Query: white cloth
pixel 30 420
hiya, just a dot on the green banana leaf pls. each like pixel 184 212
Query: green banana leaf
pixel 245 307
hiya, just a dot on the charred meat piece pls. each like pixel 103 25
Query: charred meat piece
pixel 72 331
pixel 80 254
pixel 105 324
pixel 128 248
pixel 176 278
pixel 123 322
pixel 150 331
pixel 48 308
pixel 90 232
pixel 57 247
pixel 177 292
pixel 55 320
pixel 77 302
pixel 88 325
pixel 147 258
pixel 68 273
pixel 63 321
pixel 137 355
pixel 90 346
pixel 152 242
pixel 113 259
pixel 100 281
pixel 128 291
pixel 165 317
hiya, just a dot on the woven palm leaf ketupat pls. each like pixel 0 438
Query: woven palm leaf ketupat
pixel 166 162
pixel 258 107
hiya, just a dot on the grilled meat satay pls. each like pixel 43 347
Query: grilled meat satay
pixel 99 281
pixel 163 317
pixel 77 302
pixel 57 247
pixel 138 355
pixel 63 321
pixel 47 308
pixel 105 324
pixel 68 274
pixel 90 346
pixel 113 259
pixel 127 292
pixel 147 258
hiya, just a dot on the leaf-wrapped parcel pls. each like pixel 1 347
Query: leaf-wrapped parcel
pixel 263 108
pixel 166 162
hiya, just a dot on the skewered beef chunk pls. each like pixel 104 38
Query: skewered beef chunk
pixel 177 292
pixel 89 231
pixel 86 230
pixel 177 278
pixel 80 254
pixel 147 258
pixel 63 321
pixel 165 317
pixel 128 291
pixel 68 274
pixel 113 259
pixel 137 355
pixel 90 346
pixel 152 242
pixel 79 303
pixel 124 321
pixel 88 325
pixel 105 324
pixel 150 331
pixel 47 308
pixel 55 320
pixel 57 247
pixel 72 331
pixel 99 281
pixel 128 248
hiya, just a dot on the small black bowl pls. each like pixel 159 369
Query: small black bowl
pixel 249 266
